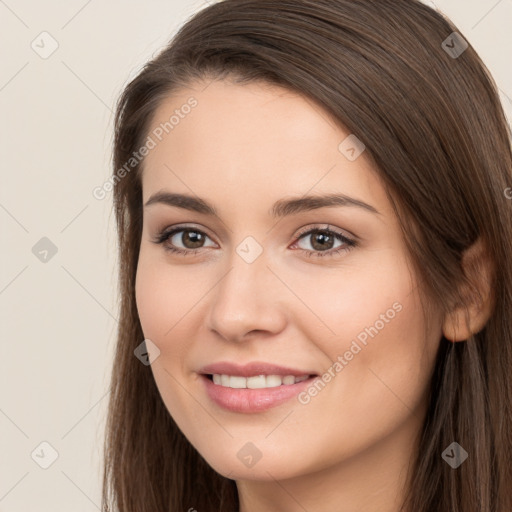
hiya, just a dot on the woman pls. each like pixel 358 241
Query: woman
pixel 315 271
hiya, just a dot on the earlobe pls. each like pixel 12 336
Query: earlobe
pixel 470 317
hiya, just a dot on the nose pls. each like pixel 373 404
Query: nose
pixel 249 300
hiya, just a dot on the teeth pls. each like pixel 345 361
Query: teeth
pixel 237 382
pixel 256 382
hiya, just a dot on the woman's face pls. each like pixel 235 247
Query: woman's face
pixel 316 287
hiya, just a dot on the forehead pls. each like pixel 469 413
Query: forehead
pixel 249 140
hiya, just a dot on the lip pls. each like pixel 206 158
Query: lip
pixel 251 369
pixel 247 400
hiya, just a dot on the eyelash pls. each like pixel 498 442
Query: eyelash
pixel 349 244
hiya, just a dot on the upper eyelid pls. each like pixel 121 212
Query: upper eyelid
pixel 326 227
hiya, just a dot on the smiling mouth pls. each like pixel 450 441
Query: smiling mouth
pixel 255 392
pixel 256 381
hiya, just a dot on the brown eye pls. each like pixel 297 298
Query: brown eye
pixel 182 240
pixel 191 239
pixel 323 239
pixel 322 242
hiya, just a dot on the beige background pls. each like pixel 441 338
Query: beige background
pixel 58 318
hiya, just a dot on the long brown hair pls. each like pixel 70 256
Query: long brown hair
pixel 433 124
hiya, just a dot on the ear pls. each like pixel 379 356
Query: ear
pixel 469 318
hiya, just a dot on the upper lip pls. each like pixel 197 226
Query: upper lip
pixel 251 369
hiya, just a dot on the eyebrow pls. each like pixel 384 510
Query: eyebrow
pixel 281 208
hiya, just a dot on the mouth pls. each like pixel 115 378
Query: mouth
pixel 253 394
pixel 256 381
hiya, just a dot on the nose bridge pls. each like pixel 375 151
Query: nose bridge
pixel 246 298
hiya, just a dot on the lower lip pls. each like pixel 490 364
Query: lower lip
pixel 252 400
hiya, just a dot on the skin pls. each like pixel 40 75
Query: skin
pixel 242 148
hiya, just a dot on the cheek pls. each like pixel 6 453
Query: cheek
pixel 150 298
pixel 168 301
pixel 343 302
pixel 163 299
pixel 379 371
pixel 370 322
pixel 163 295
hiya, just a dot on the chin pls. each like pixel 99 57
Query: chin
pixel 267 468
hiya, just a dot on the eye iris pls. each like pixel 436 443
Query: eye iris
pixel 196 239
pixel 323 237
